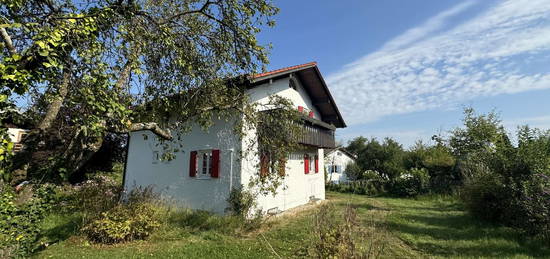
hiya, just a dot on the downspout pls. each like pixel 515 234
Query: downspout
pixel 231 171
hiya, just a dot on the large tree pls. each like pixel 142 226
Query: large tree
pixel 79 67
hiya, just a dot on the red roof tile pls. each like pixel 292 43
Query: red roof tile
pixel 284 69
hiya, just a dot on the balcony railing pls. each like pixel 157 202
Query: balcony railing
pixel 314 135
pixel 313 132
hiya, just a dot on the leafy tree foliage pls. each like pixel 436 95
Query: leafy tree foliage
pixel 387 157
pixel 83 67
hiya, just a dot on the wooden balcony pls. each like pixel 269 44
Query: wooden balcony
pixel 316 136
pixel 317 133
pixel 313 132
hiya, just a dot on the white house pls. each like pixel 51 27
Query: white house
pixel 208 165
pixel 336 161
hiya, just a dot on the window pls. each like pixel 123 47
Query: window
pixel 204 164
pixel 334 168
pixel 267 166
pixel 206 161
pixel 311 164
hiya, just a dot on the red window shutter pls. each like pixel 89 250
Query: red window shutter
pixel 316 164
pixel 301 108
pixel 264 164
pixel 215 173
pixel 306 164
pixel 193 164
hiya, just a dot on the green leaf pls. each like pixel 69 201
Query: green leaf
pixel 43 53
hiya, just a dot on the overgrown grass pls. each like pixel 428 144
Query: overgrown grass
pixel 402 228
pixel 438 226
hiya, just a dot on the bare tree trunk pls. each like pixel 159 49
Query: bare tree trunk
pixel 55 106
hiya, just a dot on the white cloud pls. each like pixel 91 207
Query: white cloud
pixel 420 70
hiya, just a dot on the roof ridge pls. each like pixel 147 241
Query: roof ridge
pixel 314 63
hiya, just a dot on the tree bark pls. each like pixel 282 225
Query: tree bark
pixel 55 106
pixel 7 40
pixel 124 75
pixel 165 134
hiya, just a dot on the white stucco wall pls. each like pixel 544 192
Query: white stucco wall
pixel 337 157
pixel 171 178
pixel 260 94
pixel 298 188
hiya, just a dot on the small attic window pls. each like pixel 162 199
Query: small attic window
pixel 292 84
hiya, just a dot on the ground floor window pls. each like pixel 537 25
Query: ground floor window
pixel 334 169
pixel 204 164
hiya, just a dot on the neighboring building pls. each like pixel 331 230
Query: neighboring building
pixel 336 161
pixel 16 136
pixel 208 166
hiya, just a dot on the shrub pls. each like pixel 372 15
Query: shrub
pixel 535 204
pixel 485 197
pixel 19 220
pixel 241 202
pixel 135 219
pixel 95 196
pixel 365 187
pixel 124 223
pixel 411 183
pixel 241 205
pixel 354 171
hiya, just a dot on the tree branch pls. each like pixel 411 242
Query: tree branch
pixel 165 134
pixel 201 10
pixel 7 40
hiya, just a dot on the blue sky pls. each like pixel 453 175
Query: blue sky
pixel 406 68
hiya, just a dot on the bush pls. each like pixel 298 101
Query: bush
pixel 241 205
pixel 125 222
pixel 135 219
pixel 19 219
pixel 411 183
pixel 241 202
pixel 535 204
pixel 484 196
pixel 364 187
pixel 95 196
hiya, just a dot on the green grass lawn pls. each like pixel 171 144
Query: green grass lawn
pixel 401 228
